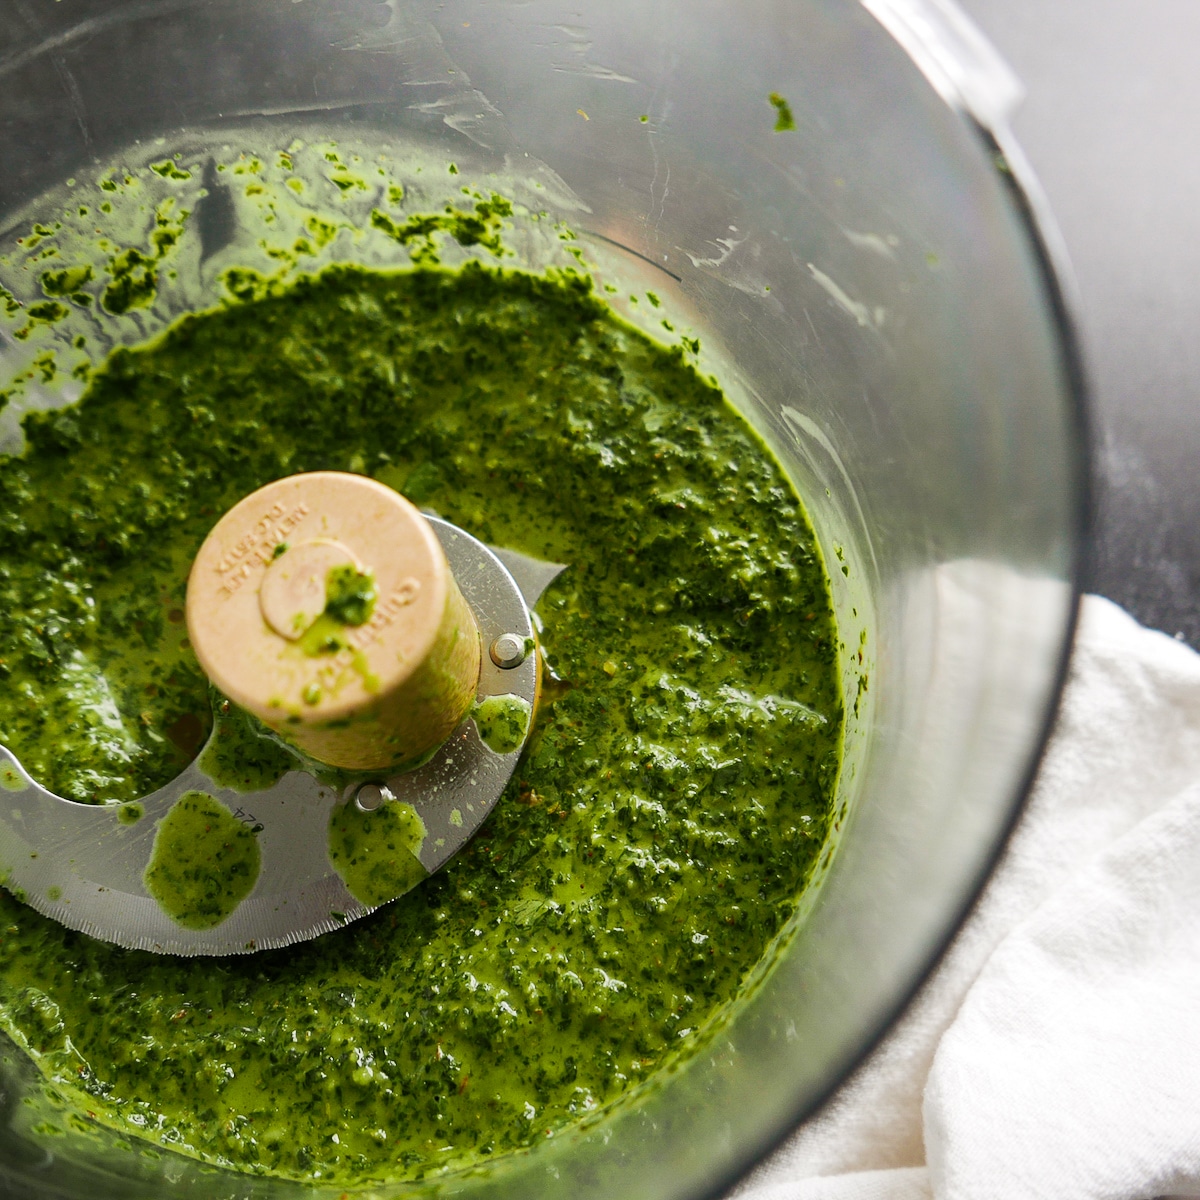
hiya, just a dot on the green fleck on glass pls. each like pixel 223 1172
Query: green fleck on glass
pixel 205 862
pixel 134 282
pixel 502 722
pixel 169 170
pixel 131 813
pixel 10 778
pixel 375 852
pixel 66 281
pixel 784 122
pixel 48 311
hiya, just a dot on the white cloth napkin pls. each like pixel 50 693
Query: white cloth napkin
pixel 1055 1053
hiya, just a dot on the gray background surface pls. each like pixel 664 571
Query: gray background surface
pixel 1110 126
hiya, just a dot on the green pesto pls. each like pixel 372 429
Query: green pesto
pixel 69 281
pixel 502 722
pixel 349 600
pixel 130 813
pixel 349 595
pixel 673 799
pixel 324 636
pixel 375 852
pixel 244 754
pixel 205 862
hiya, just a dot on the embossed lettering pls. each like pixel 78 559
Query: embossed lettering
pixel 257 546
pixel 405 592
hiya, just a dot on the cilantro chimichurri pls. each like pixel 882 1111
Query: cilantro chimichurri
pixel 502 722
pixel 375 852
pixel 672 801
pixel 205 861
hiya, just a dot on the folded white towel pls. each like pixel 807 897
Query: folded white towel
pixel 1055 1053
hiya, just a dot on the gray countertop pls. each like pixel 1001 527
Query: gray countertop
pixel 1109 124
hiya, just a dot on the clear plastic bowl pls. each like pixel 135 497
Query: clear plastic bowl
pixel 876 294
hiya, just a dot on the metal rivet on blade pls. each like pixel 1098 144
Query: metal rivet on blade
pixel 508 651
pixel 371 796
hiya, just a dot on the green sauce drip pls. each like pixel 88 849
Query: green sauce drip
pixel 243 753
pixel 205 862
pixel 502 721
pixel 349 600
pixel 349 595
pixel 130 813
pixel 375 852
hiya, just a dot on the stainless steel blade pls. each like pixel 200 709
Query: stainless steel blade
pixel 532 575
pixel 83 865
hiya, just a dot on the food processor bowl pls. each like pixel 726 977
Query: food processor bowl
pixel 824 194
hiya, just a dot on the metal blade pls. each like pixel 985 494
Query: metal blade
pixel 83 866
pixel 532 575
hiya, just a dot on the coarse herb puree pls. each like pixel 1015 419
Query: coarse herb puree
pixel 672 801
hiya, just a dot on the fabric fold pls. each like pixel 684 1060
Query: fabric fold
pixel 1055 1052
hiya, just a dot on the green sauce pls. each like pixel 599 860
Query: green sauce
pixel 205 862
pixel 130 813
pixel 350 600
pixel 671 804
pixel 243 753
pixel 502 722
pixel 375 852
pixel 349 595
